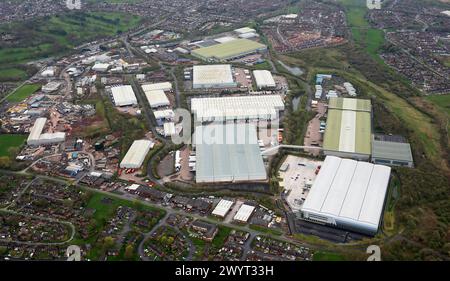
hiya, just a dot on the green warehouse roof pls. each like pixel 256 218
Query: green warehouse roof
pixel 229 49
pixel 350 104
pixel 348 131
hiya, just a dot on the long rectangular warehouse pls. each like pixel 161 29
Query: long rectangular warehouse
pixel 136 154
pixel 212 76
pixel 222 208
pixel 165 86
pixel 36 130
pixel 237 108
pixel 348 194
pixel 348 132
pixel 229 50
pixel 228 153
pixel 123 95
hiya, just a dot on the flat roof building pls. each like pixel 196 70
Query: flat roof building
pixel 229 50
pixel 123 95
pixel 157 98
pixel 348 194
pixel 264 79
pixel 212 76
pixel 391 152
pixel 244 213
pixel 244 30
pixel 165 86
pixel 222 208
pixel 228 153
pixel 252 107
pixel 136 154
pixel 348 131
pixel 36 136
pixel 36 130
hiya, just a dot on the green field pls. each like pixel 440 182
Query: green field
pixel 442 101
pixel 12 74
pixel 371 39
pixel 327 256
pixel 10 141
pixel 23 92
pixel 57 34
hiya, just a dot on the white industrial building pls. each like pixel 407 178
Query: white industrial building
pixel 157 98
pixel 222 208
pixel 264 79
pixel 48 72
pixel 348 194
pixel 224 39
pixel 255 107
pixel 213 76
pixel 169 129
pixel 123 95
pixel 36 136
pixel 101 67
pixel 164 114
pixel 244 213
pixel 136 154
pixel 51 87
pixel 244 30
pixel 164 86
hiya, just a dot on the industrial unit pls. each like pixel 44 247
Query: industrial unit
pixel 229 50
pixel 244 213
pixel 222 208
pixel 348 194
pixel 123 95
pixel 213 76
pixel 228 153
pixel 265 107
pixel 391 151
pixel 165 86
pixel 157 98
pixel 348 131
pixel 36 136
pixel 264 79
pixel 136 154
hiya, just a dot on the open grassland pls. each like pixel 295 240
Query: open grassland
pixel 12 74
pixel 10 141
pixel 370 39
pixel 23 92
pixel 57 34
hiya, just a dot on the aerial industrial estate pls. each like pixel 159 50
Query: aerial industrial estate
pixel 196 132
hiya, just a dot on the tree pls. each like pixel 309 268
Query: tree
pixel 129 252
pixel 5 162
pixel 108 242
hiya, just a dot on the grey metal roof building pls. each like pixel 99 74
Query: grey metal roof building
pixel 392 153
pixel 228 153
pixel 348 194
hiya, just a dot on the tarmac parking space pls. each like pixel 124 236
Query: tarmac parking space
pixel 301 171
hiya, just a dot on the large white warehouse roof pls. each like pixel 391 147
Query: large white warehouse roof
pixel 244 213
pixel 123 95
pixel 157 98
pixel 229 108
pixel 35 132
pixel 348 194
pixel 165 86
pixel 264 79
pixel 213 76
pixel 136 154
